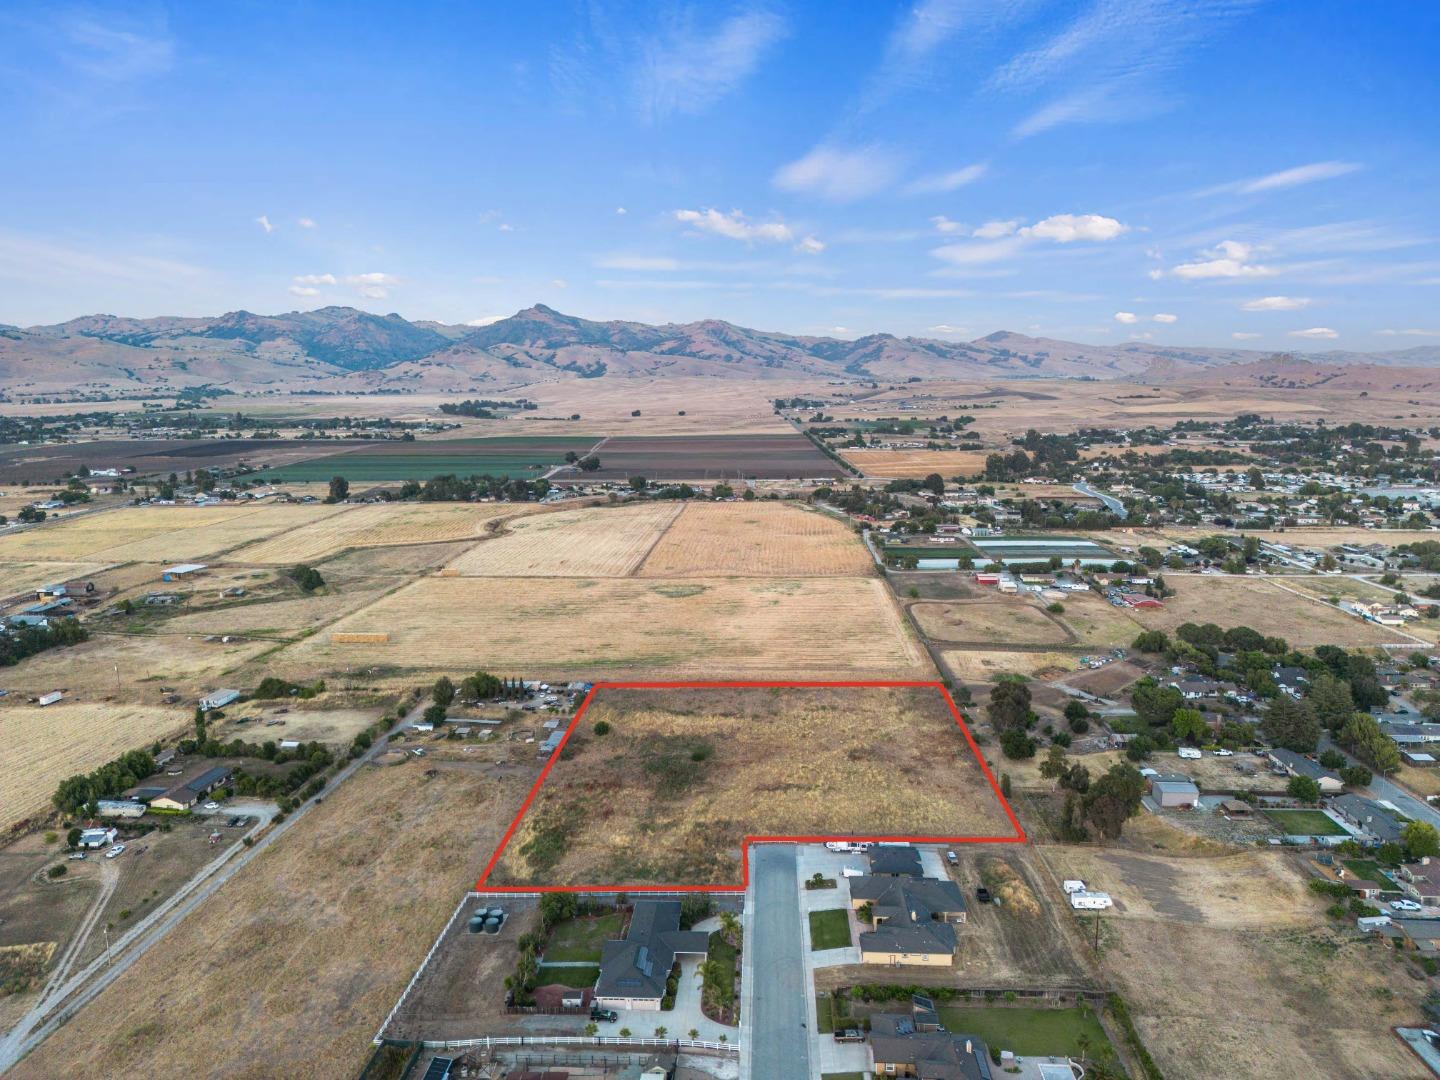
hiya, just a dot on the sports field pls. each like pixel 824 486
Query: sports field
pixel 581 627
pixel 669 793
pixel 520 456
pixel 379 525
pixel 592 542
pixel 756 539
pixel 44 746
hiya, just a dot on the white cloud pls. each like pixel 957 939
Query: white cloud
pixel 1286 178
pixel 305 222
pixel 1066 228
pixel 1245 335
pixel 735 226
pixel 1409 333
pixel 810 246
pixel 946 328
pixel 264 223
pixel 973 254
pixel 687 69
pixel 939 183
pixel 1165 317
pixel 485 320
pixel 839 175
pixel 993 230
pixel 372 286
pixel 315 279
pixel 560 283
pixel 1228 259
pixel 304 290
pixel 1276 303
pixel 637 262
pixel 505 226
pixel 1318 333
pixel 1126 317
pixel 944 225
pixel 621 210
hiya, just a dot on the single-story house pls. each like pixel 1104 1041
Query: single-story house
pixel 187 793
pixel 1378 823
pixel 1421 881
pixel 910 919
pixel 633 970
pixel 899 1048
pixel 1197 688
pixel 96 838
pixel 1174 790
pixel 1299 765
pixel 1419 934
pixel 895 860
pixel 1419 758
pixel 1409 734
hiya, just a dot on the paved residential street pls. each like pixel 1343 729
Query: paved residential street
pixel 1411 806
pixel 775 1005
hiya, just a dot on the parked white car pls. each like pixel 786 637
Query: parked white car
pixel 212 805
pixel 1404 905
pixel 1224 753
pixel 115 852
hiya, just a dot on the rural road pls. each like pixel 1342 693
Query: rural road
pixel 1114 505
pixel 58 1003
pixel 777 1044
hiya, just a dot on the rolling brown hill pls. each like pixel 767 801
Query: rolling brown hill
pixel 343 349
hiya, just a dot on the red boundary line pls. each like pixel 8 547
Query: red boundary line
pixel 1018 838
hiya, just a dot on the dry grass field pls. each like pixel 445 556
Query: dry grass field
pixel 916 464
pixel 997 622
pixel 985 665
pixel 157 533
pixel 683 776
pixel 282 616
pixel 1257 1004
pixel 756 539
pixel 1097 623
pixel 44 746
pixel 18 577
pixel 584 627
pixel 591 542
pixel 1263 605
pixel 380 525
pixel 292 967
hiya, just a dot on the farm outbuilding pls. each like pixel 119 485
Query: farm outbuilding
pixel 1174 791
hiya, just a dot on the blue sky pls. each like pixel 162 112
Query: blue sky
pixel 1236 172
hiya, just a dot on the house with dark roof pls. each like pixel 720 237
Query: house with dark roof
pixel 899 1047
pixel 911 919
pixel 187 793
pixel 1380 825
pixel 1421 882
pixel 1299 765
pixel 633 970
pixel 895 860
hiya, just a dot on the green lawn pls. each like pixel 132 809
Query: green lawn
pixel 824 1016
pixel 579 940
pixel 1365 870
pixel 843 1076
pixel 1028 1032
pixel 577 977
pixel 830 929
pixel 1305 823
pixel 720 972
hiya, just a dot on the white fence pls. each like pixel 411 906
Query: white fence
pixel 492 1042
pixel 421 969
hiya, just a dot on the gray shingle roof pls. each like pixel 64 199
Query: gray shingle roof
pixel 638 966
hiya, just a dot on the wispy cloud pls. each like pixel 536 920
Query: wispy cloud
pixel 1127 317
pixel 1110 62
pixel 1164 317
pixel 686 67
pixel 305 222
pixel 637 262
pixel 840 174
pixel 1276 303
pixel 1315 333
pixel 372 286
pixel 1409 333
pixel 1245 335
pixel 264 222
pixel 111 50
pixel 939 183
pixel 1286 178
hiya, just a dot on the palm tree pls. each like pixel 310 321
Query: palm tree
pixel 661 1031
pixel 694 1033
pixel 1082 1043
pixel 730 928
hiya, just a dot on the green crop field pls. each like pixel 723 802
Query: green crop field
pixel 522 457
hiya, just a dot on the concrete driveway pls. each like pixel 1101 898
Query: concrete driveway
pixel 687 1013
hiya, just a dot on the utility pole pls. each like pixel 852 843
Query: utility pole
pixel 1097 932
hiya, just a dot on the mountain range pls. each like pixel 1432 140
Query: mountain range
pixel 342 349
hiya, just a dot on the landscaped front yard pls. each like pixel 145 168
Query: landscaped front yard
pixel 578 941
pixel 720 1001
pixel 1030 1032
pixel 1305 823
pixel 830 929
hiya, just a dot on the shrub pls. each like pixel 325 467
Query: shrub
pixel 602 727
pixel 57 871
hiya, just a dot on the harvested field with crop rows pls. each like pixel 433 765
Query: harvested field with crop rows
pixel 759 539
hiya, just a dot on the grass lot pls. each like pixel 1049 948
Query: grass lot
pixel 579 940
pixel 830 929
pixel 1305 823
pixel 1029 1032
pixel 576 977
pixel 824 1017
pixel 681 777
